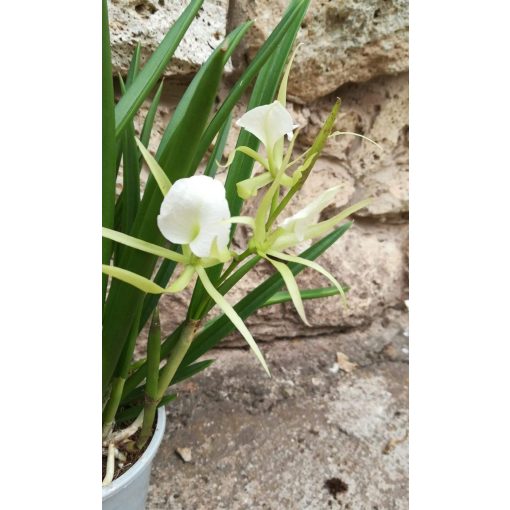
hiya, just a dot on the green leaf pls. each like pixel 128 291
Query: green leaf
pixel 191 370
pixel 182 135
pixel 130 174
pixel 130 413
pixel 109 149
pixel 183 374
pixel 151 115
pixel 134 66
pixel 263 93
pixel 153 356
pixel 219 147
pixel 128 105
pixel 227 309
pixel 284 297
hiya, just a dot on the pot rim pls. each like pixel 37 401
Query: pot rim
pixel 146 458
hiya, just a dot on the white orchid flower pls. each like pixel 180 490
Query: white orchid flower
pixel 195 212
pixel 269 123
pixel 299 222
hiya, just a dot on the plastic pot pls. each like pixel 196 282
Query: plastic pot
pixel 129 491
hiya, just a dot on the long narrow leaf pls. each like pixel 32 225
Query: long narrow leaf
pixel 109 151
pixel 130 172
pixel 134 66
pixel 219 147
pixel 319 293
pixel 184 374
pixel 131 413
pixel 145 135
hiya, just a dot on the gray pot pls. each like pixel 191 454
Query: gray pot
pixel 129 491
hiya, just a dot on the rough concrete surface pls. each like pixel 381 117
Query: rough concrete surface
pixel 314 436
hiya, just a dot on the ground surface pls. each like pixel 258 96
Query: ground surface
pixel 314 436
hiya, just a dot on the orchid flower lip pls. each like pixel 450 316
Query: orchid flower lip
pixel 193 213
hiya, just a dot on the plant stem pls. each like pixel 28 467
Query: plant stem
pixel 113 404
pixel 233 265
pixel 151 385
pixel 177 355
pixel 165 378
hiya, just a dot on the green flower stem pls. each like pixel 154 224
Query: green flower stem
pixel 151 386
pixel 177 355
pixel 207 303
pixel 165 378
pixel 246 253
pixel 113 404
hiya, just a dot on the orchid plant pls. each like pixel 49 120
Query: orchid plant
pixel 184 222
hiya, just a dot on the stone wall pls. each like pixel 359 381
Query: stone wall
pixel 353 49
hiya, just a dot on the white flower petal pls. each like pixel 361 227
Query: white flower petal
pixel 269 123
pixel 194 212
pixel 298 222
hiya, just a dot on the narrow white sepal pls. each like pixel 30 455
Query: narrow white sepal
pixel 229 311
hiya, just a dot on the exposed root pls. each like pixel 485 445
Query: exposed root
pixel 118 454
pixel 110 465
pixel 124 434
pixel 112 445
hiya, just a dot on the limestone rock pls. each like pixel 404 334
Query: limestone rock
pixel 148 21
pixel 369 259
pixel 344 41
pixel 379 110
